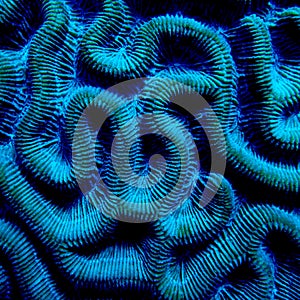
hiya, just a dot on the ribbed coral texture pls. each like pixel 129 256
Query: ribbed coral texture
pixel 242 56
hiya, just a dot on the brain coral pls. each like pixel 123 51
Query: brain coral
pixel 242 56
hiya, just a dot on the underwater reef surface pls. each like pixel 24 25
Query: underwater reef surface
pixel 242 56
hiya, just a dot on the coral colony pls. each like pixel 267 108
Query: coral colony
pixel 149 149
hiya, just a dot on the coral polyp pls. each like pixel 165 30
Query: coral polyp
pixel 149 150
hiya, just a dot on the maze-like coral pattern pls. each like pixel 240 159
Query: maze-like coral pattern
pixel 242 56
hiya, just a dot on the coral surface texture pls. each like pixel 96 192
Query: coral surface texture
pixel 105 106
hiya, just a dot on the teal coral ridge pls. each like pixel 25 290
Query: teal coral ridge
pixel 57 56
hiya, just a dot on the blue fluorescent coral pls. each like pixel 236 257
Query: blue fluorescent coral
pixel 242 57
